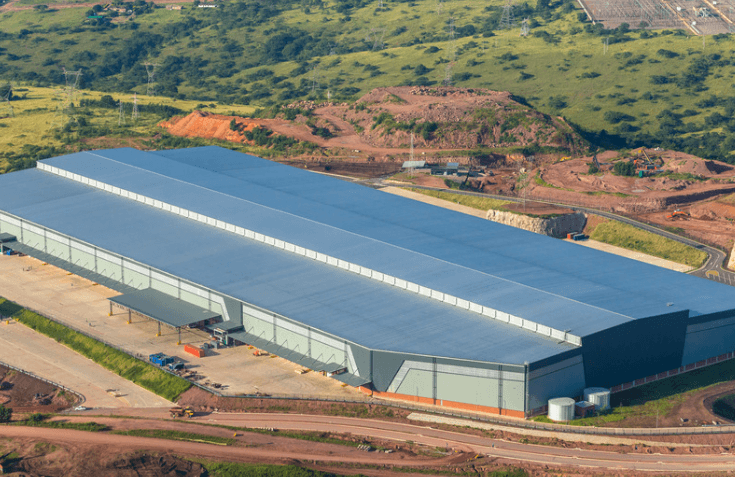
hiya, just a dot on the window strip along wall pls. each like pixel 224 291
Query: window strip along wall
pixel 326 259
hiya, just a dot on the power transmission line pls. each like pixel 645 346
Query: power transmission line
pixel 8 104
pixel 506 20
pixel 150 68
pixel 135 114
pixel 451 55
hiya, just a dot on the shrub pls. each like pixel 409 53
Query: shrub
pixel 5 413
pixel 614 117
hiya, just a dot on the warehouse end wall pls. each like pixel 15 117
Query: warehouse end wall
pixel 564 378
pixel 708 336
pixel 634 350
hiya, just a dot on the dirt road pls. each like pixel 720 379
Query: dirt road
pixel 388 431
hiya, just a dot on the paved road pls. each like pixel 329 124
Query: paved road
pixel 712 269
pixel 26 349
pixel 504 450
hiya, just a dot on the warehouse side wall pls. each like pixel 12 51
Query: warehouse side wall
pixel 116 268
pixel 484 387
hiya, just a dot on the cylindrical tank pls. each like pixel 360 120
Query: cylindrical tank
pixel 599 396
pixel 561 409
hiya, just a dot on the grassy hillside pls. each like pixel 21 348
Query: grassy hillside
pixel 41 127
pixel 653 88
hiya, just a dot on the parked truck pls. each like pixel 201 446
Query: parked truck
pixel 160 359
pixel 181 412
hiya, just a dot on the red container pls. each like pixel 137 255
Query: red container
pixel 199 353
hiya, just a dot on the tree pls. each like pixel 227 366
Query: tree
pixel 5 413
pixel 624 168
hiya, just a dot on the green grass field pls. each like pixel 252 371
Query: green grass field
pixel 178 436
pixel 142 374
pixel 631 238
pixel 480 203
pixel 248 53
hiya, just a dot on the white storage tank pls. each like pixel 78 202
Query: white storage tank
pixel 561 409
pixel 599 396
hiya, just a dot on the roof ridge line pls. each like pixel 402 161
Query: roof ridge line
pixel 483 310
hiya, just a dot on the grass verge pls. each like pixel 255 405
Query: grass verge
pixel 143 374
pixel 232 469
pixel 626 236
pixel 177 436
pixel 228 469
pixel 659 397
pixel 75 426
pixel 479 203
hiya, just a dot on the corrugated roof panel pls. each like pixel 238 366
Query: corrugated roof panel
pixel 338 302
pixel 537 262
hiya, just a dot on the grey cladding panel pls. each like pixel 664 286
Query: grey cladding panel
pixel 385 367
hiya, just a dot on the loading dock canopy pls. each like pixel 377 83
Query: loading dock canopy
pixel 164 308
pixel 5 237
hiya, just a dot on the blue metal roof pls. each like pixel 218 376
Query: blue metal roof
pixel 548 281
pixel 347 305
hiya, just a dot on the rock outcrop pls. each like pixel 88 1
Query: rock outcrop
pixel 558 226
pixel 731 262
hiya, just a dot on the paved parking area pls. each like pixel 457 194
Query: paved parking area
pixel 81 304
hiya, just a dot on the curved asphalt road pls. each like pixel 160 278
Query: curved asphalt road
pixel 715 258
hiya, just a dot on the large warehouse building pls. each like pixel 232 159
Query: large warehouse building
pixel 400 298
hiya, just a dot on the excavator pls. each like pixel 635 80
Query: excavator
pixel 678 214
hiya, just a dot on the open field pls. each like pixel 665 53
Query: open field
pixel 38 114
pixel 656 87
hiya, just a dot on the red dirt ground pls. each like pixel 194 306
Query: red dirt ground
pixel 371 153
pixel 22 393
